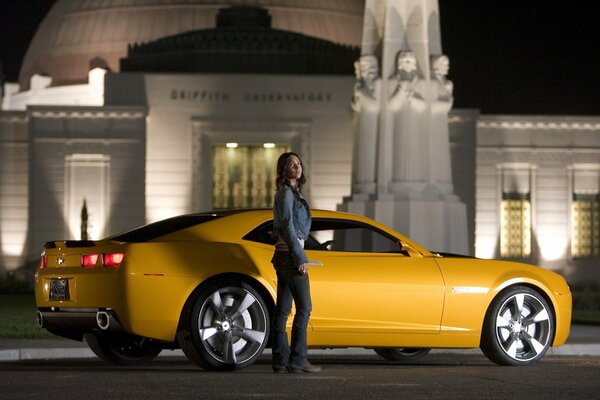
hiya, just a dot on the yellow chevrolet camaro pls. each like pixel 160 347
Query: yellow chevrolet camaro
pixel 204 283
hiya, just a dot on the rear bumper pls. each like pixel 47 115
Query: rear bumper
pixel 73 323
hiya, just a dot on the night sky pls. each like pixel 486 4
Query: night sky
pixel 506 56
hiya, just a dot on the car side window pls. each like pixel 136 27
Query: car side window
pixel 350 236
pixel 262 234
pixel 335 235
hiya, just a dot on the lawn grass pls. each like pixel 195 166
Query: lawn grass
pixel 17 318
pixel 586 317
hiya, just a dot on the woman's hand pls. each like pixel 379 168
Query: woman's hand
pixel 303 268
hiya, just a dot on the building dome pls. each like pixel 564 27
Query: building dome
pixel 76 36
pixel 243 42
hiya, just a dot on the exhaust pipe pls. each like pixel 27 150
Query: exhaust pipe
pixel 103 320
pixel 39 318
pixel 106 321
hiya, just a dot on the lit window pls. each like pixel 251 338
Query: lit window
pixel 244 177
pixel 515 226
pixel 585 226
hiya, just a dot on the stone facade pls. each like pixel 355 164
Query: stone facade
pixel 548 160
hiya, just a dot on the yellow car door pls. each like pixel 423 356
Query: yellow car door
pixel 375 293
pixel 368 284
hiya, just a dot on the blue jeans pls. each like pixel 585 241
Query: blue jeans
pixel 291 285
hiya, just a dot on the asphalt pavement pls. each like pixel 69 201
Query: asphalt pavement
pixel 583 340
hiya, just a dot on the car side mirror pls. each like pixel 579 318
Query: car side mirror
pixel 408 250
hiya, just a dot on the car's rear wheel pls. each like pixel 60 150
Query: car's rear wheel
pixel 123 349
pixel 518 328
pixel 402 354
pixel 226 328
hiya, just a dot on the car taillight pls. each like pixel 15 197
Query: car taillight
pixel 89 260
pixel 113 260
pixel 43 261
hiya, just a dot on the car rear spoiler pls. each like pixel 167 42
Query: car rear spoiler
pixel 69 243
pixel 451 255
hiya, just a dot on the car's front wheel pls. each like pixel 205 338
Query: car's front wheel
pixel 123 349
pixel 518 328
pixel 402 354
pixel 226 328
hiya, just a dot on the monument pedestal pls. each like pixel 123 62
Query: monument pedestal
pixel 437 223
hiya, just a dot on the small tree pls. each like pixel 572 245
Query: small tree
pixel 84 221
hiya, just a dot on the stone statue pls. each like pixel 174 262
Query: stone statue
pixel 401 162
pixel 406 109
pixel 441 103
pixel 366 104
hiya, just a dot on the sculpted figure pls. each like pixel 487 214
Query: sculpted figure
pixel 442 100
pixel 365 103
pixel 406 107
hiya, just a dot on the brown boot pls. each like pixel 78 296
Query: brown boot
pixel 307 367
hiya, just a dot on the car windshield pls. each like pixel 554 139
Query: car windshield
pixel 164 227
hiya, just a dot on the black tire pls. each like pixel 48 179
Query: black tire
pixel 405 355
pixel 226 326
pixel 123 349
pixel 518 328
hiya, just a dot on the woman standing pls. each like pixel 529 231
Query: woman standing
pixel 291 226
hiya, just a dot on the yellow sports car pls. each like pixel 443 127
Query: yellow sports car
pixel 204 283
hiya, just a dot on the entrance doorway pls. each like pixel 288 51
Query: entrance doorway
pixel 243 176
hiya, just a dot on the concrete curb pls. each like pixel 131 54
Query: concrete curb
pixel 25 354
pixel 576 350
pixel 44 354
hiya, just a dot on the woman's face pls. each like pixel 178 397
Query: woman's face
pixel 293 168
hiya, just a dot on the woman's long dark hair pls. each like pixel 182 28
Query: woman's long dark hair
pixel 282 179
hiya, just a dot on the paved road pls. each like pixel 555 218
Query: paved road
pixel 59 369
pixel 439 376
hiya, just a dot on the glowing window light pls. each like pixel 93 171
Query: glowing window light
pixel 244 177
pixel 515 226
pixel 585 226
pixel 269 145
pixel 87 180
pixel 231 145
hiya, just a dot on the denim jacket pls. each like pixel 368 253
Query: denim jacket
pixel 291 221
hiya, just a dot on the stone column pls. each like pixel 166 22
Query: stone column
pixel 401 164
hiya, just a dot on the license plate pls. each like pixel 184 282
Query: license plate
pixel 59 289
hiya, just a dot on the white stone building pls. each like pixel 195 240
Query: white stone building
pixel 105 112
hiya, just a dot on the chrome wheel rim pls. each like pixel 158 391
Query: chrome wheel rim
pixel 523 327
pixel 232 325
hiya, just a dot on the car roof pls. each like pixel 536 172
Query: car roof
pixel 236 223
pixel 240 222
